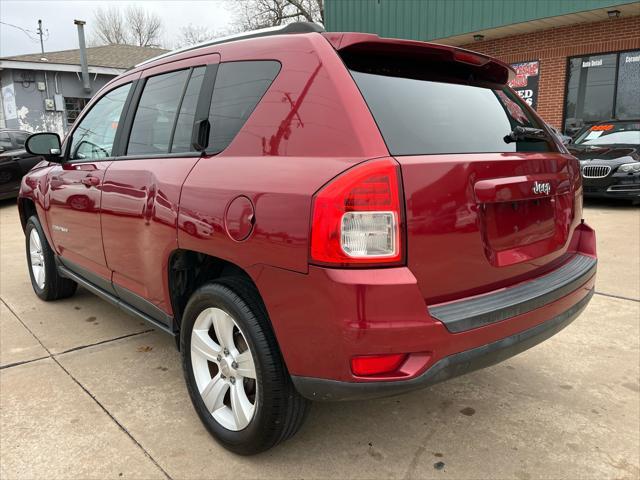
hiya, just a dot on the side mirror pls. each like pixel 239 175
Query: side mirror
pixel 1 149
pixel 566 140
pixel 44 144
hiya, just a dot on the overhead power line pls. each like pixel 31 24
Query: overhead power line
pixel 29 33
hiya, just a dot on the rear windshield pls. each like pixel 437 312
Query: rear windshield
pixel 418 116
pixel 627 133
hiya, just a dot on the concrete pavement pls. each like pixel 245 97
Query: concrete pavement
pixel 88 392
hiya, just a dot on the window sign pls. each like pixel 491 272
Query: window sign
pixel 526 81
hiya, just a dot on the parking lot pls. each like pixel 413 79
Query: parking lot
pixel 89 392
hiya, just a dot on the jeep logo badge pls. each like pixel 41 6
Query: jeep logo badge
pixel 540 188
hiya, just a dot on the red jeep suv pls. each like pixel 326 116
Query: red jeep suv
pixel 314 216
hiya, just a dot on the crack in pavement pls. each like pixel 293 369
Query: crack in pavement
pixel 418 454
pixel 619 297
pixel 104 409
pixel 23 362
pixel 74 349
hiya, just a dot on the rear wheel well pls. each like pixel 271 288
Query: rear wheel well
pixel 189 270
pixel 27 209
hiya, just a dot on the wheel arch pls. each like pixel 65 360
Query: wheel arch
pixel 190 269
pixel 26 209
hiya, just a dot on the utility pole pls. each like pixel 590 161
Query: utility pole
pixel 40 32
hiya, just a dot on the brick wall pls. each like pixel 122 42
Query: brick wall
pixel 553 46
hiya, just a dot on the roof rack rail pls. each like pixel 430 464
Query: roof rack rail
pixel 296 27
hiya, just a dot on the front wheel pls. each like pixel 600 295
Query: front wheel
pixel 45 279
pixel 234 371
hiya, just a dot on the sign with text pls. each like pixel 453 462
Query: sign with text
pixel 526 81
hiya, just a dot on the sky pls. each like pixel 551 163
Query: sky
pixel 57 17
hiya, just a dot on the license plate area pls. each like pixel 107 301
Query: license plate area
pixel 516 224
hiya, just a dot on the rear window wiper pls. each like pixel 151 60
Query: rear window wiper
pixel 526 133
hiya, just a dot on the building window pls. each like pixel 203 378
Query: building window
pixel 74 106
pixel 628 94
pixel 602 87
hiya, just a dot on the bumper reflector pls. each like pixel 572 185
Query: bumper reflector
pixel 376 364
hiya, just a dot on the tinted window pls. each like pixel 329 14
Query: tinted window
pixel 19 138
pixel 628 101
pixel 93 138
pixel 238 89
pixel 154 119
pixel 424 117
pixel 590 88
pixel 5 141
pixel 184 125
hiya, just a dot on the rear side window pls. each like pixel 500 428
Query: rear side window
pixel 238 89
pixel 184 124
pixel 155 116
pixel 418 116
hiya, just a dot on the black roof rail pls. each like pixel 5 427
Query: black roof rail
pixel 296 27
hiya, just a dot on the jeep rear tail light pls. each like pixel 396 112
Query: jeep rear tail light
pixel 357 217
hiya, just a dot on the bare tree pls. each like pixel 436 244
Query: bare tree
pixel 254 14
pixel 135 26
pixel 144 27
pixel 109 27
pixel 194 34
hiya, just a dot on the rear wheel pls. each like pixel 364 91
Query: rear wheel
pixel 234 371
pixel 45 279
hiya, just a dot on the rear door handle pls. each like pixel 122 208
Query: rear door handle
pixel 91 181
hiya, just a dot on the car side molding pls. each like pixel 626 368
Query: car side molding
pixel 118 302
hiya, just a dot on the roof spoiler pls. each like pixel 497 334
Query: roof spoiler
pixel 480 66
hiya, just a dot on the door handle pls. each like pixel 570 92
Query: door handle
pixel 91 181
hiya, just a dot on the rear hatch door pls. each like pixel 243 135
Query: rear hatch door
pixel 482 211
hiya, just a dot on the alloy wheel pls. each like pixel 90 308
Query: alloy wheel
pixel 224 369
pixel 36 258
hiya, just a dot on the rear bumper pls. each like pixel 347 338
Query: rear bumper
pixel 476 312
pixel 448 367
pixel 325 318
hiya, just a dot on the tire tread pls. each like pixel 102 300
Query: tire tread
pixel 56 286
pixel 287 409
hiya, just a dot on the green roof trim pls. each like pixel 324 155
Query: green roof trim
pixel 431 19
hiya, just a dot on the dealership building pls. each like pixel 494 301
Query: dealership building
pixel 577 61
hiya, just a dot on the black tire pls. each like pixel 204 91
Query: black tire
pixel 280 410
pixel 55 286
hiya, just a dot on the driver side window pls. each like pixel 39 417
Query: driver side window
pixel 93 137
